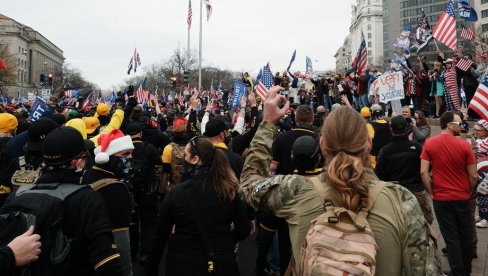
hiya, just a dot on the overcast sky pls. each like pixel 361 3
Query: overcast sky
pixel 99 36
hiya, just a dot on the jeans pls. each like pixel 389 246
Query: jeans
pixel 327 101
pixel 363 100
pixel 454 219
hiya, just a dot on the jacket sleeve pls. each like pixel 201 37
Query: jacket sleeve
pixel 115 123
pixel 421 134
pixel 381 169
pixel 257 189
pixel 7 260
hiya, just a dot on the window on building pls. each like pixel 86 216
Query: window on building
pixel 484 27
pixel 369 2
pixel 369 44
pixel 19 49
pixel 369 19
pixel 370 52
pixel 369 27
pixel 484 13
pixel 369 10
pixel 484 1
pixel 369 35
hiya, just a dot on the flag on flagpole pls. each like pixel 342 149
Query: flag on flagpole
pixel 445 29
pixel 464 64
pixel 423 34
pixel 264 83
pixel 479 103
pixel 466 12
pixel 292 59
pixel 135 60
pixel 308 67
pixel 467 33
pixel 190 14
pixel 71 93
pixel 361 58
pixel 209 9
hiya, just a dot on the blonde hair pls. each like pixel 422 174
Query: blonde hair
pixel 346 147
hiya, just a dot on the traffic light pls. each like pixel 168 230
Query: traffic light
pixel 50 79
pixel 42 79
pixel 186 77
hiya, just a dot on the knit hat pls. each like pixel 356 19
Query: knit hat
pixel 91 123
pixel 79 125
pixel 73 114
pixel 335 106
pixel 365 113
pixel 133 128
pixel 38 131
pixel 179 125
pixel 111 143
pixel 62 145
pixel 103 109
pixel 8 122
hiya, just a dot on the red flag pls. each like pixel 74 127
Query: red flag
pixel 3 65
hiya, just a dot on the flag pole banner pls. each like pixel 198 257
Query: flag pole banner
pixel 445 28
pixel 37 109
pixel 466 12
pixel 292 60
pixel 239 92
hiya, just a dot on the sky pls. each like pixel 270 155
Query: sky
pixel 99 36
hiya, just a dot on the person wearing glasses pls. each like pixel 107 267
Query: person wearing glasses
pixel 202 218
pixel 454 177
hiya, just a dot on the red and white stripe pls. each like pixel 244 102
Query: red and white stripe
pixel 190 13
pixel 464 64
pixel 479 103
pixel 363 60
pixel 261 91
pixel 467 34
pixel 140 94
pixel 445 30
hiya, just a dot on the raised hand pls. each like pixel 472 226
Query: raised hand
pixel 272 113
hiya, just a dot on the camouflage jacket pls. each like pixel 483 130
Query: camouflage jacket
pixel 406 244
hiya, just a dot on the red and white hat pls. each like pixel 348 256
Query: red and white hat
pixel 111 143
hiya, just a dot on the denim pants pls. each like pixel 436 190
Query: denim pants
pixel 454 219
pixel 327 101
pixel 363 100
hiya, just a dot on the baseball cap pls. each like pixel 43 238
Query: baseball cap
pixel 305 146
pixel 365 113
pixel 38 131
pixel 133 128
pixel 103 109
pixel 8 122
pixel 91 123
pixel 214 127
pixel 179 125
pixel 398 123
pixel 62 145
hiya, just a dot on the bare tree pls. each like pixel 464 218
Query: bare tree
pixel 8 76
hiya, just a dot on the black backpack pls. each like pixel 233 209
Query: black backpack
pixel 41 205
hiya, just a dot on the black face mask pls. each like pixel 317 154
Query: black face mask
pixel 121 166
pixel 191 170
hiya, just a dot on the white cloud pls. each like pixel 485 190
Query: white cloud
pixel 99 36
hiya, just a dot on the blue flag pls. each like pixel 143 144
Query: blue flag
pixel 466 12
pixel 239 91
pixel 258 78
pixel 292 60
pixel 37 109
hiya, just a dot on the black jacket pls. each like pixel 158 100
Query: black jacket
pixel 186 251
pixel 283 144
pixel 400 161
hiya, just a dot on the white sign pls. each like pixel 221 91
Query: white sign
pixel 45 94
pixel 31 96
pixel 389 87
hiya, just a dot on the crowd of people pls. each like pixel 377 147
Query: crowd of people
pixel 94 192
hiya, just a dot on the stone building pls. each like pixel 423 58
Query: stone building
pixel 36 57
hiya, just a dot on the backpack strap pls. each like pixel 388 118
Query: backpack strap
pixel 97 185
pixel 58 190
pixel 374 191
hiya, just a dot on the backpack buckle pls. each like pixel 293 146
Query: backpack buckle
pixel 333 220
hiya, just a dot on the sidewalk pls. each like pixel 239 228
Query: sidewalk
pixel 479 266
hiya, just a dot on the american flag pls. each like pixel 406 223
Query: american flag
pixel 467 34
pixel 188 19
pixel 361 58
pixel 445 29
pixel 309 68
pixel 479 103
pixel 209 8
pixel 140 94
pixel 71 93
pixel 464 64
pixel 264 83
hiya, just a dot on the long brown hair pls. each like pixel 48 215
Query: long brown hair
pixel 220 176
pixel 346 147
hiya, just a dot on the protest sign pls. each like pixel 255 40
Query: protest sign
pixel 239 91
pixel 389 87
pixel 37 109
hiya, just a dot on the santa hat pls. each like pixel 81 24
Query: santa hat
pixel 111 143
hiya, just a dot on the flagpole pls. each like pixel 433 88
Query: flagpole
pixel 188 50
pixel 200 50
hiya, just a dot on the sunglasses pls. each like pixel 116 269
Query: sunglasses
pixel 193 142
pixel 456 123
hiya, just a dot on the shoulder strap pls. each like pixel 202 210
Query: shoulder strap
pixel 321 189
pixel 374 191
pixel 58 190
pixel 97 185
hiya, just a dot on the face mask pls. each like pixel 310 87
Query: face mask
pixel 120 165
pixel 188 167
